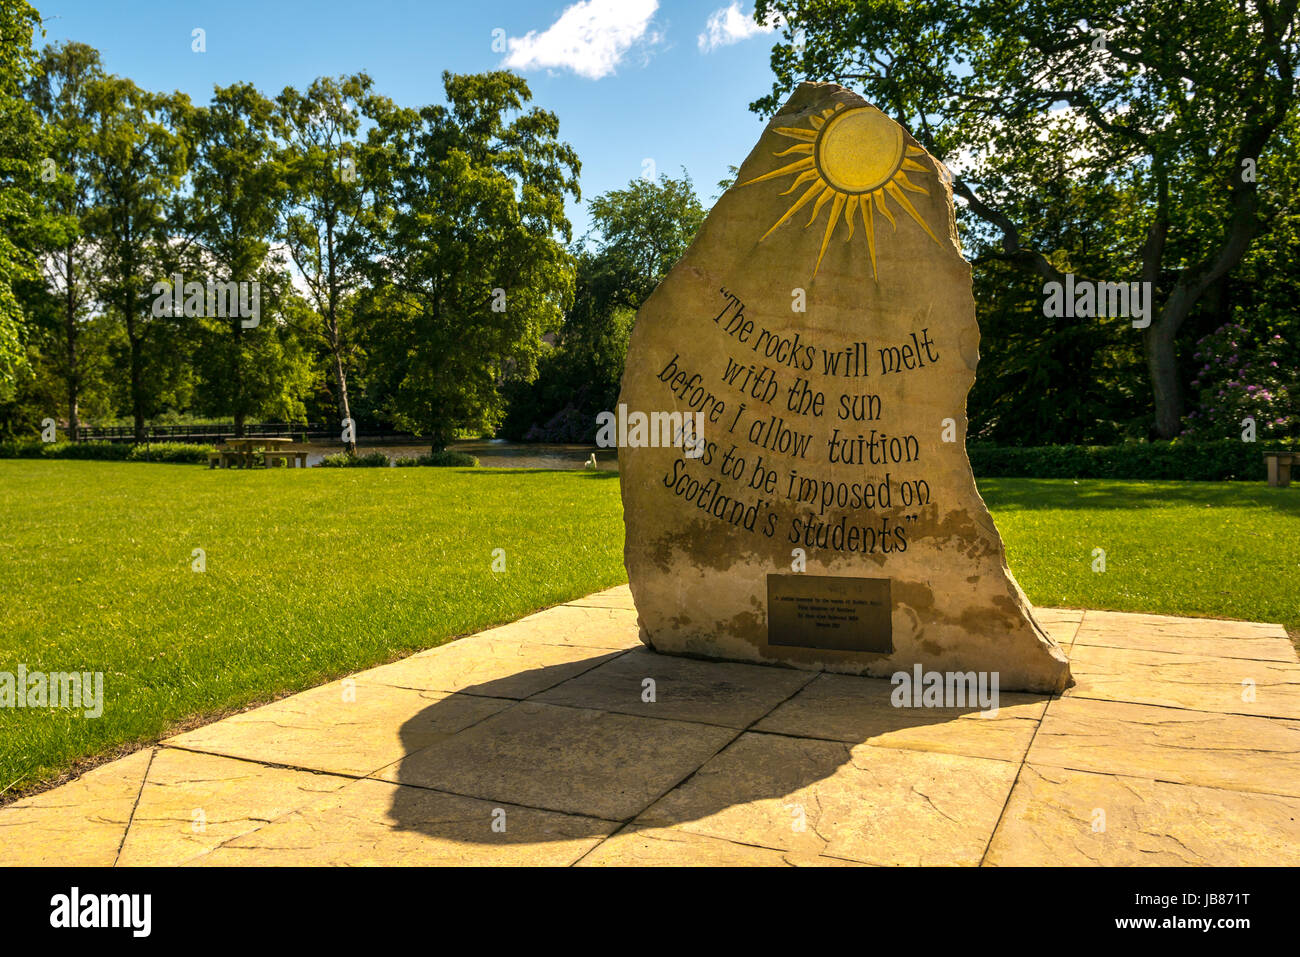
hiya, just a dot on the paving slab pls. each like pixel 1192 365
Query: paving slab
pixel 1061 623
pixel 603 626
pixel 192 802
pixel 682 689
pixel 79 824
pixel 1124 622
pixel 344 728
pixel 1109 629
pixel 374 823
pixel 574 760
pixel 674 847
pixel 1078 818
pixel 873 805
pixel 860 710
pixel 491 667
pixel 1240 752
pixel 620 596
pixel 1196 682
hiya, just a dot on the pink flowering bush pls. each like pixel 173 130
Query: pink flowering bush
pixel 1238 377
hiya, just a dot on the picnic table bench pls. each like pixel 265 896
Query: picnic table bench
pixel 1279 467
pixel 243 453
pixel 227 456
pixel 288 456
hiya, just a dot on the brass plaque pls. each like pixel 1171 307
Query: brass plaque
pixel 827 611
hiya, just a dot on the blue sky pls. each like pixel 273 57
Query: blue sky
pixel 631 80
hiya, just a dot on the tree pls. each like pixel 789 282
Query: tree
pixel 1175 103
pixel 60 95
pixel 638 233
pixel 644 229
pixel 474 268
pixel 326 223
pixel 1050 382
pixel 137 162
pixel 237 181
pixel 22 143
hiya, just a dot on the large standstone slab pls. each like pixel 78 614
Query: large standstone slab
pixel 794 475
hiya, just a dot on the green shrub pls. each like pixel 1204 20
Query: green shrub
pixel 23 449
pixel 449 459
pixel 101 451
pixel 444 459
pixel 1227 460
pixel 184 452
pixel 106 451
pixel 1242 375
pixel 341 460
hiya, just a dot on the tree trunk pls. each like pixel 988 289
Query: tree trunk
pixel 440 438
pixel 70 331
pixel 137 386
pixel 74 420
pixel 335 339
pixel 345 409
pixel 241 413
pixel 137 392
pixel 1166 390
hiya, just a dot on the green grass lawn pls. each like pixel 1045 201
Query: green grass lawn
pixel 1202 549
pixel 313 574
pixel 310 574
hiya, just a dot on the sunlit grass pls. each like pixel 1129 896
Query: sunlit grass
pixel 1208 549
pixel 311 574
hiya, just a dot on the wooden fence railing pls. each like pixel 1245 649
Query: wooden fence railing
pixel 220 431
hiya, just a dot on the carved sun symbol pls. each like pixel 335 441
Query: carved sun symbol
pixel 855 158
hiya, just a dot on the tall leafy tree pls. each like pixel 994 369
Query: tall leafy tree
pixel 22 147
pixel 326 223
pixel 60 94
pixel 1175 103
pixel 137 160
pixel 475 268
pixel 1055 381
pixel 236 183
pixel 638 233
pixel 641 230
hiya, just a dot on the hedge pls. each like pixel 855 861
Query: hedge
pixel 182 452
pixel 448 458
pixel 1227 460
pixel 186 452
pixel 341 460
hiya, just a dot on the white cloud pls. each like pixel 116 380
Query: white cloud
pixel 590 38
pixel 728 25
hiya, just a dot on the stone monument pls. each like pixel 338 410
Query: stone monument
pixel 792 422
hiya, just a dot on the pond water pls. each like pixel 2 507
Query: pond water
pixel 492 454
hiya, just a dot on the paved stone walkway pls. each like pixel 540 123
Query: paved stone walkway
pixel 531 744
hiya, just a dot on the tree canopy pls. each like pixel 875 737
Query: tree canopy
pixel 22 140
pixel 474 270
pixel 414 266
pixel 1167 117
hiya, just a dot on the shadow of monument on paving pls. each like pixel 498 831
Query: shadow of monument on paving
pixel 603 756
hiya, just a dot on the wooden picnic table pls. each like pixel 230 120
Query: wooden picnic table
pixel 249 444
pixel 242 452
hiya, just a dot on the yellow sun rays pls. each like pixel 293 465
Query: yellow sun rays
pixel 852 159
